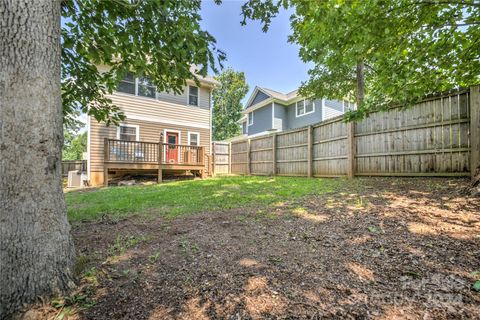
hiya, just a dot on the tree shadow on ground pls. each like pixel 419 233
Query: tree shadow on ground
pixel 378 248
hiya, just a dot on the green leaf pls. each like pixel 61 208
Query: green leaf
pixel 409 48
pixel 476 285
pixel 143 38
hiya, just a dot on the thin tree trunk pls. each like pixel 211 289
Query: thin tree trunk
pixel 36 250
pixel 360 82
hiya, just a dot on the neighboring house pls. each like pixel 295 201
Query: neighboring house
pixel 177 124
pixel 268 111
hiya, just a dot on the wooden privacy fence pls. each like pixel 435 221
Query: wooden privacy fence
pixel 439 136
pixel 221 157
pixel 72 165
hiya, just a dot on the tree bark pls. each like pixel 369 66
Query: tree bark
pixel 360 82
pixel 36 250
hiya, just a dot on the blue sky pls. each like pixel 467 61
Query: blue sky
pixel 267 59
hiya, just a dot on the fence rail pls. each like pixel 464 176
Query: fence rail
pixel 152 152
pixel 73 165
pixel 439 136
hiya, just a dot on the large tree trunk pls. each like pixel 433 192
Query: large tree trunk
pixel 360 82
pixel 36 250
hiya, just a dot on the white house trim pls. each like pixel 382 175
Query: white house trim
pixel 165 141
pixel 137 130
pixel 210 123
pixel 248 119
pixel 273 115
pixel 261 133
pixel 89 143
pixel 254 94
pixel 266 102
pixel 160 120
pixel 304 108
pixel 193 132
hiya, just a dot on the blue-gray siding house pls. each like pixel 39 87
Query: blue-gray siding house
pixel 269 111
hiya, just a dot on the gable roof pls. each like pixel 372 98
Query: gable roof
pixel 272 95
pixel 254 94
pixel 281 96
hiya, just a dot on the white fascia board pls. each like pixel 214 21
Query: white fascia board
pixel 165 121
pixel 270 100
pixel 254 93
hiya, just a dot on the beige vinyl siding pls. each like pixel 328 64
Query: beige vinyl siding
pixel 149 131
pixel 153 109
pixel 182 98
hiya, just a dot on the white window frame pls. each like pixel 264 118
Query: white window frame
pixel 188 96
pixel 198 138
pixel 249 123
pixel 137 84
pixel 304 108
pixel 137 130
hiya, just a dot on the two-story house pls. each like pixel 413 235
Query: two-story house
pixel 162 132
pixel 267 111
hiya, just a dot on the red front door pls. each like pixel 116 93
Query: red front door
pixel 172 148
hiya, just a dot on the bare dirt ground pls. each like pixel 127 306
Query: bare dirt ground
pixel 381 248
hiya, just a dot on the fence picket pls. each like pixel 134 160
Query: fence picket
pixel 434 137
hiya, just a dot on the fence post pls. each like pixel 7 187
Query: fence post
pixel 475 130
pixel 350 149
pixel 214 158
pixel 274 154
pixel 159 156
pixel 310 151
pixel 229 158
pixel 105 159
pixel 249 170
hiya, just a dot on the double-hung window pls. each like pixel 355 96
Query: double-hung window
pixel 127 85
pixel 146 88
pixel 304 107
pixel 127 132
pixel 194 138
pixel 137 86
pixel 193 95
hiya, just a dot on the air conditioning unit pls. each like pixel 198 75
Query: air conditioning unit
pixel 76 178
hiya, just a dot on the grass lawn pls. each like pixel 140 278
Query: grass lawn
pixel 275 248
pixel 184 197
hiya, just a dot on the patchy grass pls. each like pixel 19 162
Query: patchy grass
pixel 374 248
pixel 184 197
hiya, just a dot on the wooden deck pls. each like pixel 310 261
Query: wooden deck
pixel 152 156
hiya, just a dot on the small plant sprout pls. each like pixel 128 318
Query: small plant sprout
pixel 154 257
pixel 126 272
pixel 374 229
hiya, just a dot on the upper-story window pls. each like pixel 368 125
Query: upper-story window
pixel 137 86
pixel 304 107
pixel 250 118
pixel 193 95
pixel 127 85
pixel 146 88
pixel 347 105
